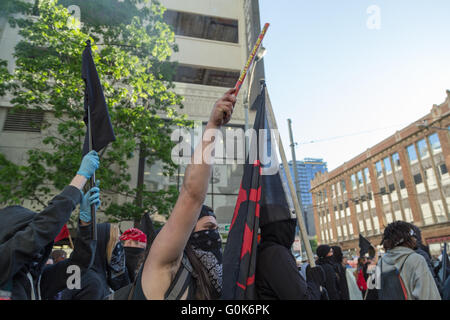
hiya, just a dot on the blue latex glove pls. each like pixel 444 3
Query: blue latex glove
pixel 89 164
pixel 91 197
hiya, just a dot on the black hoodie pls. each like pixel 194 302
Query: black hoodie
pixel 277 276
pixel 26 241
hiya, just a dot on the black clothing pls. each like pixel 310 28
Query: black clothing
pixel 133 259
pixel 340 273
pixel 108 275
pixel 331 283
pixel 91 288
pixel 26 244
pixel 277 275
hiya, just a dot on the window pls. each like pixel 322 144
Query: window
pixel 200 26
pixel 412 156
pixel 208 77
pixel 418 178
pixel 402 184
pixel 366 175
pixel 378 168
pixel 353 178
pixel 443 168
pixel 344 190
pixel 434 142
pixel 423 149
pixel 396 160
pixel 387 164
pixel 360 179
pixel 383 190
pixel 391 188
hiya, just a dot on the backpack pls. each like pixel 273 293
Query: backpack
pixel 360 281
pixel 392 285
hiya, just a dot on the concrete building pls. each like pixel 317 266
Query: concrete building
pixel 404 177
pixel 214 38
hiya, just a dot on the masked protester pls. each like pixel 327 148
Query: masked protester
pixel 277 276
pixel 108 272
pixel 340 273
pixel 326 261
pixel 26 241
pixel 134 244
pixel 171 270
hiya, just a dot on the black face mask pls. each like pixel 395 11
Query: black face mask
pixel 207 247
pixel 133 256
pixel 208 240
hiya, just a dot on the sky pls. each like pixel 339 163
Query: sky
pixel 351 73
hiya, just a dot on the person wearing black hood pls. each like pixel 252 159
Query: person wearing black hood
pixel 326 261
pixel 108 271
pixel 340 272
pixel 277 276
pixel 26 241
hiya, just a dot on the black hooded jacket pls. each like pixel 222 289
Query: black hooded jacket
pixel 331 283
pixel 277 276
pixel 26 241
pixel 340 273
pixel 101 272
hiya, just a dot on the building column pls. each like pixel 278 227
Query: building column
pixel 351 204
pixel 316 216
pixel 376 196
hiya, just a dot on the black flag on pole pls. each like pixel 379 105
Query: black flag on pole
pixel 102 131
pixel 365 247
pixel 261 200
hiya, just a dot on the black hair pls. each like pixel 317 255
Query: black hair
pixel 398 233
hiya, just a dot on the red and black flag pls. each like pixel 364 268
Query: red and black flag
pixel 261 200
pixel 365 247
pixel 95 104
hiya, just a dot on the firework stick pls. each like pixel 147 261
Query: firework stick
pixel 250 59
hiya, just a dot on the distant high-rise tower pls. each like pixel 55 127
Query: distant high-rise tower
pixel 307 168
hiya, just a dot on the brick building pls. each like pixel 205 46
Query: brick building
pixel 404 177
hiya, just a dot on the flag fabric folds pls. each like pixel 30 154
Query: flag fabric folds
pixel 261 200
pixel 365 247
pixel 102 131
pixel 63 234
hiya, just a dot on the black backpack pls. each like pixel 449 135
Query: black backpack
pixel 392 285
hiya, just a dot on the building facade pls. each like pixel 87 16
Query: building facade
pixel 404 177
pixel 307 169
pixel 214 38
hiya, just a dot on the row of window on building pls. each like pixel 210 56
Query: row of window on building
pixel 430 188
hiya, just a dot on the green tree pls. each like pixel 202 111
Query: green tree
pixel 132 59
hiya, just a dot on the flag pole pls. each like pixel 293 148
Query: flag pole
pixel 250 59
pixel 92 180
pixel 297 206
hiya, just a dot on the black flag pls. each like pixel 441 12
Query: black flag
pixel 261 200
pixel 365 247
pixel 102 131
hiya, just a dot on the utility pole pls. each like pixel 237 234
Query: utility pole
pixel 294 168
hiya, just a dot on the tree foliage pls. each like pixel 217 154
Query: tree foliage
pixel 132 59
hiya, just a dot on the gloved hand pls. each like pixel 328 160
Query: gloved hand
pixel 89 164
pixel 91 197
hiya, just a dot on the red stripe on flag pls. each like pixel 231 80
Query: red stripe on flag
pixel 240 286
pixel 63 234
pixel 250 280
pixel 247 241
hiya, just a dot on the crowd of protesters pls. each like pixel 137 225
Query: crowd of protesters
pixel 184 260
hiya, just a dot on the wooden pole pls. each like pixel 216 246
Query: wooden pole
pixel 298 209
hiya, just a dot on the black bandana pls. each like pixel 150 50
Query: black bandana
pixel 133 257
pixel 207 247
